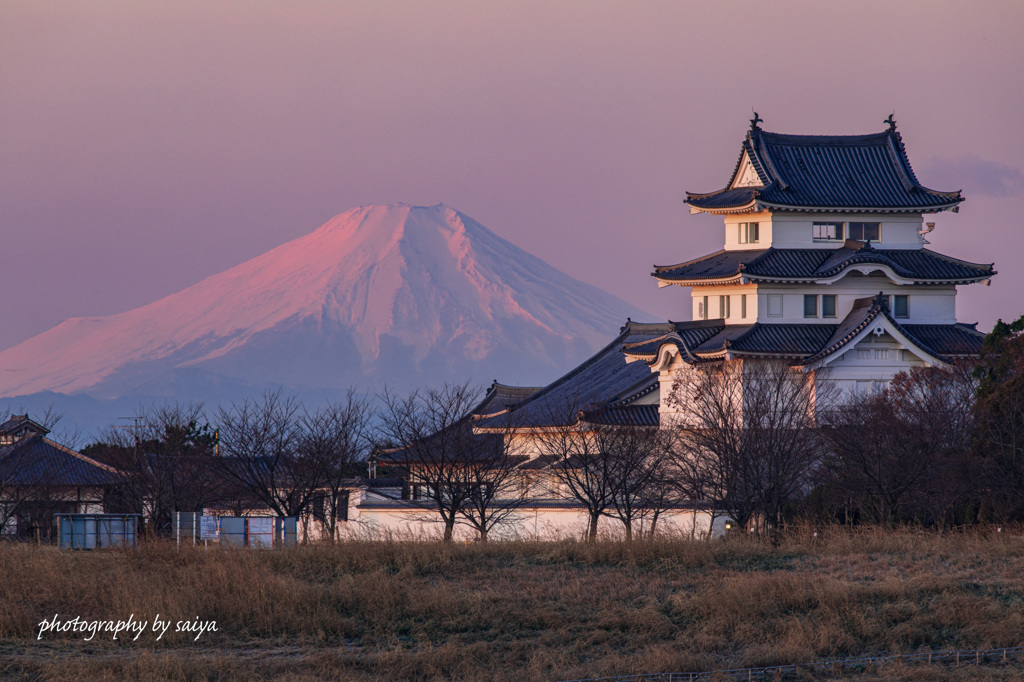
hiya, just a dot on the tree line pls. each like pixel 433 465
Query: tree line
pixel 758 442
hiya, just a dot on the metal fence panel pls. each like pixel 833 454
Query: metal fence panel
pixel 185 527
pixel 287 531
pixel 91 531
pixel 115 531
pixel 232 532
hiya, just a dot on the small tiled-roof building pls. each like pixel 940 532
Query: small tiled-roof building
pixel 40 477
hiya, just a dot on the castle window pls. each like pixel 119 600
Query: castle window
pixel 828 305
pixel 881 354
pixel 866 231
pixel 749 233
pixel 702 309
pixel 863 355
pixel 723 307
pixel 743 306
pixel 901 306
pixel 810 305
pixel 774 305
pixel 827 232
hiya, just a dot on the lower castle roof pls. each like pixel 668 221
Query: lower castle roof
pixel 919 265
pixel 805 343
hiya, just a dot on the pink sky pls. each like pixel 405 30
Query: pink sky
pixel 145 145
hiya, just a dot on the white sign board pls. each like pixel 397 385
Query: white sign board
pixel 207 527
pixel 261 531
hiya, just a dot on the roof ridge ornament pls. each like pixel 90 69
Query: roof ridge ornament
pixel 891 121
pixel 754 121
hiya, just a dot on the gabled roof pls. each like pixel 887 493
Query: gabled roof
pixel 774 339
pixel 37 460
pixel 604 378
pixel 947 340
pixel 848 173
pixel 19 423
pixel 501 397
pixel 940 341
pixel 684 335
pixel 809 265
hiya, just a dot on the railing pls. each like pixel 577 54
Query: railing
pixel 956 657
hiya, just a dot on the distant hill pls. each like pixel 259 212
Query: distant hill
pixel 382 294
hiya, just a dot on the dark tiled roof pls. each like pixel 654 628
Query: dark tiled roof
pixel 541 462
pixel 780 339
pixel 920 265
pixel 716 337
pixel 625 415
pixel 603 378
pixel 829 172
pixel 692 334
pixel 501 397
pixel 950 340
pixel 943 341
pixel 812 341
pixel 40 461
pixel 458 441
pixel 860 316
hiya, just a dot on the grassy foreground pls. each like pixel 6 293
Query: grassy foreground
pixel 517 611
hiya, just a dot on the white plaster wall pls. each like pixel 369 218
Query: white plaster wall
pixel 732 231
pixel 529 523
pixel 928 304
pixel 735 292
pixel 794 230
pixel 852 366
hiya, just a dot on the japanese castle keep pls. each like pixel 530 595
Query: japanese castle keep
pixel 824 263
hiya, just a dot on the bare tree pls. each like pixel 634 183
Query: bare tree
pixel 999 443
pixel 458 474
pixel 580 463
pixel 164 463
pixel 748 435
pixel 263 453
pixel 896 452
pixel 492 481
pixel 636 459
pixel 337 435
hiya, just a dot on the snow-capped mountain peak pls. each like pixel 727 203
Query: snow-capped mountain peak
pixel 396 293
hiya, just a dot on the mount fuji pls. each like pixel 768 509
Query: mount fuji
pixel 382 294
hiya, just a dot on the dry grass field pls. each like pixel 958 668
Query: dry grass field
pixel 531 611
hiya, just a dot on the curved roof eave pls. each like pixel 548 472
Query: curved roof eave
pixel 856 209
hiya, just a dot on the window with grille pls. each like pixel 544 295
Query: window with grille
pixel 901 306
pixel 828 305
pixel 810 305
pixel 865 231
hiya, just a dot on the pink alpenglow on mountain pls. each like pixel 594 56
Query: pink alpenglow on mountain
pixel 393 294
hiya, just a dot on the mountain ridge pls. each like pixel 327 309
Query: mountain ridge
pixel 394 294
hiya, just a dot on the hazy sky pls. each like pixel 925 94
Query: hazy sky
pixel 145 145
